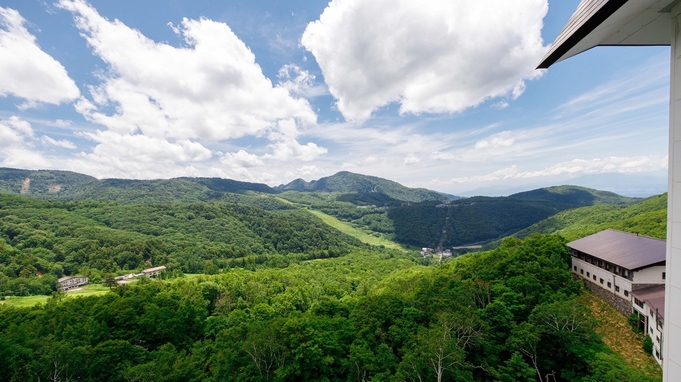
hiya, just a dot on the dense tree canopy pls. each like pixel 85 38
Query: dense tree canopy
pixel 511 314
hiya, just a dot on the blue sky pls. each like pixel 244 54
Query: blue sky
pixel 434 94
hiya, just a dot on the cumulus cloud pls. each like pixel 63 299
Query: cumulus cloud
pixel 573 168
pixel 59 143
pixel 157 101
pixel 437 56
pixel 310 170
pixel 286 147
pixel 241 159
pixel 496 141
pixel 25 70
pixel 411 159
pixel 299 82
pixel 16 136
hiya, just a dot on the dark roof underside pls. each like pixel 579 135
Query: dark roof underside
pixel 589 15
pixel 623 249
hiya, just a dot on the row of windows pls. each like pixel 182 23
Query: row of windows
pixel 588 275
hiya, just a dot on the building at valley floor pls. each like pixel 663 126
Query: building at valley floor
pixel 68 282
pixel 149 273
pixel 628 271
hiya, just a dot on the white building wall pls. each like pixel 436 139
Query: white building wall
pixel 587 270
pixel 672 332
pixel 652 330
pixel 651 275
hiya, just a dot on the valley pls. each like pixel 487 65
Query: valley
pixel 291 284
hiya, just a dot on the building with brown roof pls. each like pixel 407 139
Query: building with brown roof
pixel 619 263
pixel 649 304
pixel 68 282
pixel 151 272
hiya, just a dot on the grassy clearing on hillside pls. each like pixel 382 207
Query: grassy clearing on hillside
pixel 619 337
pixel 28 301
pixel 354 232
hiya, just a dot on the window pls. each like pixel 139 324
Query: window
pixel 617 289
pixel 657 353
pixel 582 271
pixel 657 338
pixel 626 293
pixel 664 275
pixel 587 274
pixel 601 280
pixel 575 267
pixel 638 302
pixel 609 284
pixel 594 277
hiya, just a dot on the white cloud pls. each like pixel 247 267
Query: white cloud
pixel 158 101
pixel 285 146
pixel 241 159
pixel 368 161
pixel 574 168
pixel 61 143
pixel 310 170
pixel 495 141
pixel 299 82
pixel 436 57
pixel 25 70
pixel 16 146
pixel 137 148
pixel 436 155
pixel 411 159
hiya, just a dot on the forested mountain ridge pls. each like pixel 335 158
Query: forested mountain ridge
pixel 43 240
pixel 648 217
pixel 481 219
pixel 348 182
pixel 575 196
pixel 66 185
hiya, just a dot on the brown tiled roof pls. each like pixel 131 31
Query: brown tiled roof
pixel 623 249
pixel 68 278
pixel 162 267
pixel 653 296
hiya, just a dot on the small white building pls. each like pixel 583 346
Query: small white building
pixel 649 304
pixel 152 272
pixel 618 263
pixel 68 282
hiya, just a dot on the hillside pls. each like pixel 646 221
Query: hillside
pixel 43 240
pixel 490 316
pixel 481 219
pixel 575 196
pixel 348 182
pixel 65 185
pixel 648 218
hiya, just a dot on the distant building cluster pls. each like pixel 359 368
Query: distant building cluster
pixel 628 271
pixel 68 282
pixel 149 272
pixel 441 254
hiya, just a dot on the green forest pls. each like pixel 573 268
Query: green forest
pixel 259 288
pixel 511 314
pixel 41 241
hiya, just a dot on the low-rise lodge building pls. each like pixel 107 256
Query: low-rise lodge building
pixel 152 272
pixel 68 282
pixel 649 304
pixel 617 263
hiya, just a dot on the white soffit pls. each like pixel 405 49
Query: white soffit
pixel 634 22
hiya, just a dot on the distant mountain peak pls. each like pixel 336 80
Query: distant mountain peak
pixel 349 182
